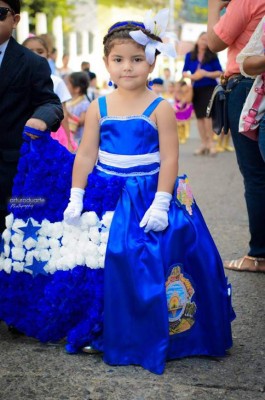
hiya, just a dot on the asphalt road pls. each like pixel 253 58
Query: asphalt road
pixel 33 371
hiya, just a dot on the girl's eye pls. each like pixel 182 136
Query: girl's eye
pixel 138 59
pixel 117 59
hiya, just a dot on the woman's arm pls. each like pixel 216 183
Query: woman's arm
pixel 87 152
pixel 168 146
pixel 251 58
pixel 212 74
pixel 202 73
pixel 214 8
pixel 254 65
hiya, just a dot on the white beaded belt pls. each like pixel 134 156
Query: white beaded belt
pixel 127 161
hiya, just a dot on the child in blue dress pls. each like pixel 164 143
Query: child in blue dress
pixel 128 266
pixel 165 292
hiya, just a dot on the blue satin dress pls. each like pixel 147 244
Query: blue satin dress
pixel 165 294
pixel 141 298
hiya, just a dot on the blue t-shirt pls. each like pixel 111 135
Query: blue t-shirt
pixel 211 66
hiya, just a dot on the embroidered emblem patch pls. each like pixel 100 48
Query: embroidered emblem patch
pixel 184 196
pixel 181 309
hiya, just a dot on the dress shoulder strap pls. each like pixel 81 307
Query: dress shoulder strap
pixel 102 106
pixel 152 106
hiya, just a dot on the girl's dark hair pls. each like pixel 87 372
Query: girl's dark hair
pixel 182 83
pixel 37 39
pixel 79 79
pixel 120 31
pixel 208 54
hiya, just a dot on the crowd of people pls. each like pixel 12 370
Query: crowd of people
pixel 188 96
pixel 106 240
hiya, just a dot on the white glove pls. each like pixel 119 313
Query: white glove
pixel 75 206
pixel 156 217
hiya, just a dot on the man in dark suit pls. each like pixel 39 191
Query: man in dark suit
pixel 26 98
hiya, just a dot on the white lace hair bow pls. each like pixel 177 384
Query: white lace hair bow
pixel 156 25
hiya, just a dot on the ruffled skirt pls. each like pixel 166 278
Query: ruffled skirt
pixel 51 273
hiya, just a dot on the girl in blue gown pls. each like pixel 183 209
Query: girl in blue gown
pixel 129 267
pixel 165 292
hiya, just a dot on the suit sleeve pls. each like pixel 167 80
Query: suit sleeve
pixel 45 102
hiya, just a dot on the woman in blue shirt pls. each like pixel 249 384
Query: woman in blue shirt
pixel 202 66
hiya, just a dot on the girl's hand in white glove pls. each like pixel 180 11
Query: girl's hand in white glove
pixel 75 206
pixel 156 217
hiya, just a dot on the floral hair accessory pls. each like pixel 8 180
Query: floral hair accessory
pixel 157 26
pixel 124 23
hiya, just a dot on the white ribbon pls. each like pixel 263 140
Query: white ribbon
pixel 128 161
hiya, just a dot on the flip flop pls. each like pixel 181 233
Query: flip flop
pixel 247 264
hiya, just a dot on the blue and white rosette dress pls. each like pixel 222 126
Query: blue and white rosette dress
pixel 141 298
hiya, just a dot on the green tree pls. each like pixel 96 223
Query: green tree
pixel 52 8
pixel 155 5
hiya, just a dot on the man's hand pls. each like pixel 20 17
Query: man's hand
pixel 36 124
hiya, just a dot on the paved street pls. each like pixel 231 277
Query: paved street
pixel 33 371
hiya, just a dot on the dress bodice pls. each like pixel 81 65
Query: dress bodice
pixel 128 135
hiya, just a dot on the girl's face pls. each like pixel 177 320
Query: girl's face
pixel 171 88
pixel 69 85
pixel 127 65
pixel 177 91
pixel 37 47
pixel 74 90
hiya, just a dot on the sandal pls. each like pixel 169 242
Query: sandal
pixel 246 263
pixel 90 350
pixel 212 152
pixel 201 151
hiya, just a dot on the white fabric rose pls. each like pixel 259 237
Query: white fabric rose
pixel 30 243
pixel 18 266
pixel 9 221
pixel 7 265
pixel 18 253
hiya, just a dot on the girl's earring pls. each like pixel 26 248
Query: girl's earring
pixel 150 83
pixel 110 83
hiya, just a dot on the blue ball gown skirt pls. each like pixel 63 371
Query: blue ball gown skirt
pixel 162 296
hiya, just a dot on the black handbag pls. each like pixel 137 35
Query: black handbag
pixel 217 109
